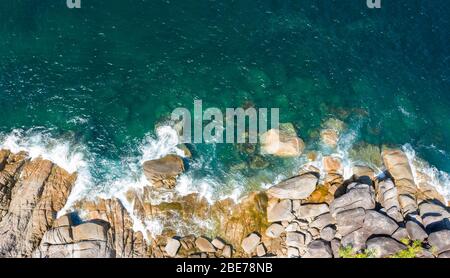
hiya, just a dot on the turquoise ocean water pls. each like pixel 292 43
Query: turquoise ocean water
pixel 88 86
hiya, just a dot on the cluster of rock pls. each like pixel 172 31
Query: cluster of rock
pixel 315 214
pixel 378 216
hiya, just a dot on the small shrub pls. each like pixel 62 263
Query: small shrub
pixel 349 253
pixel 414 248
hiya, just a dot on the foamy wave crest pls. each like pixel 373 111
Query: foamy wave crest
pixel 421 169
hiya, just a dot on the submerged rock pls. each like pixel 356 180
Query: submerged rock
pixel 282 142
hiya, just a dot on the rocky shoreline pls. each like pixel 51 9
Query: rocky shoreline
pixel 315 214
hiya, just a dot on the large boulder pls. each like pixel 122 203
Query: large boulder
pixel 382 247
pixel 298 187
pixel 282 142
pixel 164 171
pixel 378 224
pixel 415 231
pixel 356 197
pixel 350 220
pixel 31 194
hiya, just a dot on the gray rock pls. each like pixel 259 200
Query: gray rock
pixel 444 255
pixel 172 247
pixel 282 211
pixel 350 220
pixel 328 233
pixel 435 217
pixel 250 243
pixel 293 252
pixel 415 231
pixel 440 240
pixel 322 221
pixel 382 247
pixel 204 245
pixel 355 198
pixel 274 230
pixel 311 210
pixel 379 224
pixel 400 234
pixel 298 187
pixel 388 198
pixel 356 239
pixel 295 239
pixel 319 249
pixel 335 247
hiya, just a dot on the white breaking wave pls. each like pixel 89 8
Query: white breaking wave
pixel 440 180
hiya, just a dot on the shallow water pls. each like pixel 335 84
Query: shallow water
pixel 100 79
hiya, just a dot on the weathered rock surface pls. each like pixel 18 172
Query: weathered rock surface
pixel 299 187
pixel 164 171
pixel 384 246
pixel 31 193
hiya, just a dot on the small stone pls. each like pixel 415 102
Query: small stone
pixel 260 250
pixel 250 243
pixel 295 239
pixel 328 233
pixel 227 251
pixel 218 243
pixel 204 245
pixel 172 247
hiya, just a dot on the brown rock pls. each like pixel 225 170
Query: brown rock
pixel 164 171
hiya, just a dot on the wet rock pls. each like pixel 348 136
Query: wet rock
pixel 164 171
pixel 172 247
pixel 415 231
pixel 298 187
pixel 274 230
pixel 329 137
pixel 250 243
pixel 31 194
pixel 319 249
pixel 281 211
pixel 332 164
pixel 384 246
pixel 311 210
pixel 283 142
pixel 204 245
